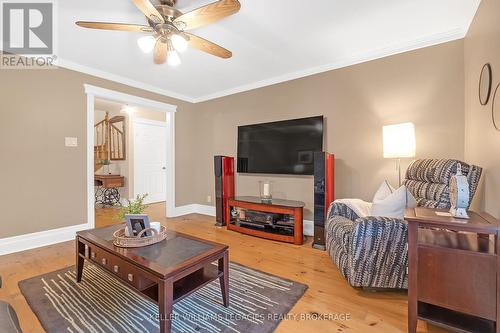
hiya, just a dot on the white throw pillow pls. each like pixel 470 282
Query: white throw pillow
pixel 411 202
pixel 394 204
pixel 385 189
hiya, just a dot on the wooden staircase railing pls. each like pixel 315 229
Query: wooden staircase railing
pixel 117 138
pixel 109 140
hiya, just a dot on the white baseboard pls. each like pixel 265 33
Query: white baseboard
pixel 183 210
pixel 205 210
pixel 308 227
pixel 49 237
pixel 194 209
pixel 38 239
pixel 210 211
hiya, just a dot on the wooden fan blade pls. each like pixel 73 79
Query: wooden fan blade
pixel 160 52
pixel 149 10
pixel 115 26
pixel 207 14
pixel 208 47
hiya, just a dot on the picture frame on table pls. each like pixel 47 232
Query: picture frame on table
pixel 137 223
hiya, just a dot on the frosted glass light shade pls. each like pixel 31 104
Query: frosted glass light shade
pixel 399 140
pixel 173 58
pixel 127 109
pixel 179 42
pixel 146 43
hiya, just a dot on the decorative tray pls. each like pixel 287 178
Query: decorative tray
pixel 121 240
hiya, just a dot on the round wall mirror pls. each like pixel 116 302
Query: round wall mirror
pixel 495 108
pixel 485 84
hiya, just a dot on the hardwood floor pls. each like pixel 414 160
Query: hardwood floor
pixel 328 293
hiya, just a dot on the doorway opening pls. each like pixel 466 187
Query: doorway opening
pixel 130 152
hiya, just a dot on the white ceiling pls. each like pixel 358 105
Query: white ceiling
pixel 271 40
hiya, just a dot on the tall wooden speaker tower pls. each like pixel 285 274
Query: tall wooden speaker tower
pixel 324 167
pixel 224 187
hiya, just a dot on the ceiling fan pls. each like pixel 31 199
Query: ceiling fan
pixel 167 28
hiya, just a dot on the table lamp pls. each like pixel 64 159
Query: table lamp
pixel 399 142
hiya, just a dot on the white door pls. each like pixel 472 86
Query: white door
pixel 150 149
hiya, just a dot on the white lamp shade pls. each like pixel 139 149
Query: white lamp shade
pixel 399 140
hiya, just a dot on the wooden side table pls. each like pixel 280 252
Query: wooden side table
pixel 454 270
pixel 110 181
pixel 106 189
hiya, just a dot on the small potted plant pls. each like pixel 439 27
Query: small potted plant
pixel 133 214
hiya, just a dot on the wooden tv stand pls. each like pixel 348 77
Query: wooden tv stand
pixel 287 226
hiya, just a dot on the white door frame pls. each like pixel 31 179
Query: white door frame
pixel 145 122
pixel 93 92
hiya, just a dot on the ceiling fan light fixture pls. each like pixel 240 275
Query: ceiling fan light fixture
pixel 127 109
pixel 173 58
pixel 146 43
pixel 179 42
pixel 168 28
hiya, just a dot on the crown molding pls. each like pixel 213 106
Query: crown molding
pixel 432 40
pixel 60 62
pixel 127 98
pixel 435 39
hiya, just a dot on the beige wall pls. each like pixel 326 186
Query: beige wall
pixel 423 86
pixel 43 183
pixel 46 181
pixel 482 140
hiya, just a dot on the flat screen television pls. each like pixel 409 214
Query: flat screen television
pixel 281 147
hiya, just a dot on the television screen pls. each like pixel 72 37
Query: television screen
pixel 281 147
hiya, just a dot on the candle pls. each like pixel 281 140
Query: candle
pixel 266 190
pixel 156 226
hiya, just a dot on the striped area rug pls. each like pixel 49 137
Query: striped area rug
pixel 101 304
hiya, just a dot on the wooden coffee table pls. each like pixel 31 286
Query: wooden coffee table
pixel 165 272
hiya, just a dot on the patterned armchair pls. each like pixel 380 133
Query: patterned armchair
pixel 372 252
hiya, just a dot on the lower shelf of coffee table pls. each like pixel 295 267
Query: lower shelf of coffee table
pixel 187 284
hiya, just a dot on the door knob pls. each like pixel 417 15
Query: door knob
pixel 164 168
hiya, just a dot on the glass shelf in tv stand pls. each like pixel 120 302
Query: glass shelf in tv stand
pixel 270 202
pixel 284 224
